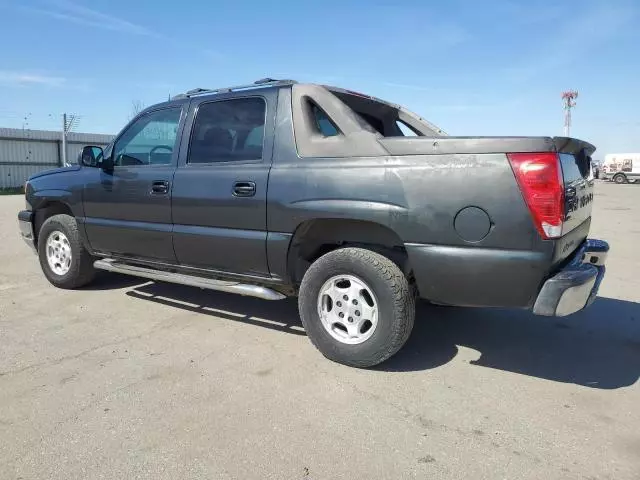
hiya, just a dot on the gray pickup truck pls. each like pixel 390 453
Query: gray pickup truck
pixel 355 205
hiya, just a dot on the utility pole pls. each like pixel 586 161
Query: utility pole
pixel 64 139
pixel 68 122
pixel 568 102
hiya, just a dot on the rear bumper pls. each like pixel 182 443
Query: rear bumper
pixel 576 285
pixel 482 277
pixel 25 222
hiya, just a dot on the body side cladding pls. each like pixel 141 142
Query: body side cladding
pixel 277 247
pixel 478 277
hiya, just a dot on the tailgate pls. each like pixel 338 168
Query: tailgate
pixel 575 159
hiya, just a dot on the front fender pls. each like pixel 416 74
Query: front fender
pixel 38 199
pixel 46 202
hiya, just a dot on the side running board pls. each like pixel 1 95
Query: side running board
pixel 191 280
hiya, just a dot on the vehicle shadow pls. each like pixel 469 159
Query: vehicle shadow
pixel 113 281
pixel 275 315
pixel 596 348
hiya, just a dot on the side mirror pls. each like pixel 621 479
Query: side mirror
pixel 91 156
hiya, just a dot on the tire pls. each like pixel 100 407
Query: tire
pixel 620 179
pixel 392 298
pixel 79 270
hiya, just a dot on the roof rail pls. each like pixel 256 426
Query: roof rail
pixel 258 83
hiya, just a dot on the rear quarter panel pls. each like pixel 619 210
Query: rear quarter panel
pixel 419 197
pixel 417 191
pixel 416 196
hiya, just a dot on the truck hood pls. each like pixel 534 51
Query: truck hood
pixel 54 171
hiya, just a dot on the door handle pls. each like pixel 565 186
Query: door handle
pixel 159 187
pixel 244 189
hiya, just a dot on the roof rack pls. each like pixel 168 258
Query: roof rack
pixel 258 83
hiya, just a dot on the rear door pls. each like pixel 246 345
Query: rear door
pixel 128 209
pixel 219 198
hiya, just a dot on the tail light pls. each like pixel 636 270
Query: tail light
pixel 539 176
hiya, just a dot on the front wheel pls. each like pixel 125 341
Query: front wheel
pixel 620 178
pixel 63 258
pixel 356 307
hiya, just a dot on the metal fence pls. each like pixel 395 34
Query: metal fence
pixel 26 152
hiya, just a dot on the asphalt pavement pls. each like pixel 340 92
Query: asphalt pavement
pixel 135 379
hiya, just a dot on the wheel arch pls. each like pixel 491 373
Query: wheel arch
pixel 47 209
pixel 316 237
pixel 620 175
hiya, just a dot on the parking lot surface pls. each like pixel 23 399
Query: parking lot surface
pixel 135 379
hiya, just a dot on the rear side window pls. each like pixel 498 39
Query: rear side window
pixel 571 170
pixel 227 131
pixel 323 123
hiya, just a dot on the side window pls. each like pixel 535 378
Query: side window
pixel 627 165
pixel 323 123
pixel 228 130
pixel 150 140
pixel 406 130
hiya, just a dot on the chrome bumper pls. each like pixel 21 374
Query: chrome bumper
pixel 25 222
pixel 576 286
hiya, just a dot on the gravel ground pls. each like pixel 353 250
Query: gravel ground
pixel 134 379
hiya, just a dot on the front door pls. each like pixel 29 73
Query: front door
pixel 128 208
pixel 220 186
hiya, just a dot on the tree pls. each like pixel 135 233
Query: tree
pixel 136 107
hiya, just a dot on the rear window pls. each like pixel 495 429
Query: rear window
pixel 323 123
pixel 571 170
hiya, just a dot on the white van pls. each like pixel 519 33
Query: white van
pixel 621 167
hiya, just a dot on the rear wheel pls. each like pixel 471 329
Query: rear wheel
pixel 620 178
pixel 63 258
pixel 356 307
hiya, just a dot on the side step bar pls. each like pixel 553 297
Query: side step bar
pixel 191 280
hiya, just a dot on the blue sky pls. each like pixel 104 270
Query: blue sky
pixel 471 67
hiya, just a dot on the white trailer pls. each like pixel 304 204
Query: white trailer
pixel 622 167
